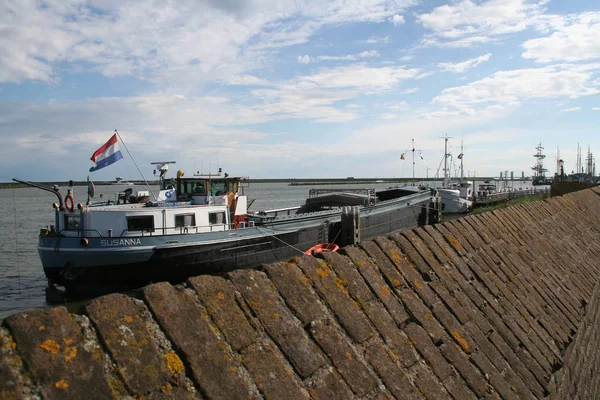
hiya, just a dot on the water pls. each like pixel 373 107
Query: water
pixel 24 211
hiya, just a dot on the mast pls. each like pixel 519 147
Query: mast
pixel 462 175
pixel 446 160
pixel 538 168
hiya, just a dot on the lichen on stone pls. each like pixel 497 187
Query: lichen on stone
pixel 174 363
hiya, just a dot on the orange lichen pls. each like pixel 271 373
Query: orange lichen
pixel 166 389
pixel 174 363
pixel 342 285
pixel 51 346
pixel 455 243
pixel 61 384
pixel 417 285
pixel 396 282
pixel 128 319
pixel 384 291
pixel 220 296
pixel 323 271
pixel 233 368
pixel 276 315
pixel 395 256
pixel 70 353
pixel 67 341
pixel 41 328
pixel 349 356
pixel 462 341
pixel 428 315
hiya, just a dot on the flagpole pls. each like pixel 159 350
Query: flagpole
pixel 138 168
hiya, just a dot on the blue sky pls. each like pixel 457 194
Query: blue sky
pixel 296 89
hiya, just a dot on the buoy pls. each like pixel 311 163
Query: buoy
pixel 322 248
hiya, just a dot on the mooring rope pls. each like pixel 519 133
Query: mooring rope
pixel 282 241
pixel 17 241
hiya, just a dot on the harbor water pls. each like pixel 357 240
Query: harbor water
pixel 24 211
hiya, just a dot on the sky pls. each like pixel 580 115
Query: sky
pixel 297 89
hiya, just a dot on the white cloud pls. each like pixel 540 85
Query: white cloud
pixel 458 24
pixel 511 87
pixel 398 19
pixel 407 58
pixel 566 110
pixel 596 108
pixel 176 41
pixel 376 39
pixel 576 38
pixel 350 57
pixel 465 65
pixel 362 77
pixel 305 59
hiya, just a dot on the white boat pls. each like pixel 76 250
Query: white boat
pixel 201 225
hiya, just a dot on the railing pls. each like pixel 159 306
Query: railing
pixel 150 232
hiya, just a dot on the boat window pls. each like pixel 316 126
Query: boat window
pixel 216 218
pixel 72 222
pixel 141 223
pixel 200 188
pixel 217 188
pixel 183 220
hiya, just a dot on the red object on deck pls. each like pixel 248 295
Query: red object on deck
pixel 322 248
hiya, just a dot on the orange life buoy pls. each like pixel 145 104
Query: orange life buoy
pixel 322 248
pixel 68 199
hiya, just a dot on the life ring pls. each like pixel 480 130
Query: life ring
pixel 322 248
pixel 68 199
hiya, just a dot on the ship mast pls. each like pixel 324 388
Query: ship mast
pixel 462 174
pixel 446 160
pixel 538 168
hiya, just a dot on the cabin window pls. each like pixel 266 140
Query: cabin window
pixel 218 188
pixel 216 218
pixel 72 222
pixel 200 188
pixel 141 223
pixel 184 220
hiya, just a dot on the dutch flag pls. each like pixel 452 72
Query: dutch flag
pixel 107 154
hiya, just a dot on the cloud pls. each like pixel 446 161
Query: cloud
pixel 465 22
pixel 596 108
pixel 511 87
pixel 376 39
pixel 361 76
pixel 465 65
pixel 177 41
pixel 350 57
pixel 575 38
pixel 397 19
pixel 305 59
pixel 566 110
